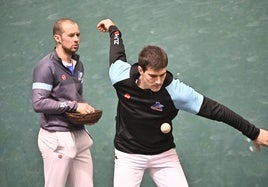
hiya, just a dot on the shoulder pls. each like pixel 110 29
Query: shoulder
pixel 184 96
pixel 45 67
pixel 119 70
pixel 44 63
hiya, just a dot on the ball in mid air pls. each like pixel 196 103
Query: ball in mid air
pixel 165 128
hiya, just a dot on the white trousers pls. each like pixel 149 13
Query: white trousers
pixel 165 169
pixel 66 157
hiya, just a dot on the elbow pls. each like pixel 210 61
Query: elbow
pixel 36 107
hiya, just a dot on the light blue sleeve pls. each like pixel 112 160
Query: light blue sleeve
pixel 119 70
pixel 184 97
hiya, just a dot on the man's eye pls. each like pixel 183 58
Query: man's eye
pixel 73 35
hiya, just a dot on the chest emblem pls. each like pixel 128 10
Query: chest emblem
pixel 127 96
pixel 80 76
pixel 157 106
pixel 63 77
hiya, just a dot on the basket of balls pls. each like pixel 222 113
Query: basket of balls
pixel 86 119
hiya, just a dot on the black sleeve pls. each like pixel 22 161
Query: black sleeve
pixel 212 110
pixel 117 49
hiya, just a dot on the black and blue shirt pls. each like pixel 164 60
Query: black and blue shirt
pixel 140 112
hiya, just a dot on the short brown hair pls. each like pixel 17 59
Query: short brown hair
pixel 153 57
pixel 57 29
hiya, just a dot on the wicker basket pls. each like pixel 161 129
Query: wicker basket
pixel 86 119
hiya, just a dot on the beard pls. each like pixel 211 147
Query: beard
pixel 70 50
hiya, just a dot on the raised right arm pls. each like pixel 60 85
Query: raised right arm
pixel 117 49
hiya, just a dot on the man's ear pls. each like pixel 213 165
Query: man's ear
pixel 140 70
pixel 57 38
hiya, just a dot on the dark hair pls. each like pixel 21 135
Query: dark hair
pixel 57 29
pixel 153 57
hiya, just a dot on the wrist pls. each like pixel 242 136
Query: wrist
pixel 112 29
pixel 75 106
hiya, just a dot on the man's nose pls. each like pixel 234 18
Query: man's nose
pixel 76 38
pixel 158 80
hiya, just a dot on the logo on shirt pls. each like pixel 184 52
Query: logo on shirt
pixel 116 37
pixel 63 105
pixel 80 76
pixel 63 77
pixel 127 96
pixel 157 106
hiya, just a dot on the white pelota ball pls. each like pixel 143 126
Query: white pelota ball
pixel 165 128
